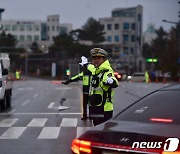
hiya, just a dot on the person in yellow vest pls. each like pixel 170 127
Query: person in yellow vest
pixel 146 76
pixel 17 74
pixel 85 77
pixel 101 88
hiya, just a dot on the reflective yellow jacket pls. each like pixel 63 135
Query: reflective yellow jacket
pixel 106 91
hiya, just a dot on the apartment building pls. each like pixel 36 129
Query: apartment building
pixel 29 31
pixel 123 34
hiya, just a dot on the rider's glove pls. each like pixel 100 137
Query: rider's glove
pixel 109 80
pixel 84 61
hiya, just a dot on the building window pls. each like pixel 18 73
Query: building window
pixel 102 27
pixel 36 27
pixel 7 27
pixel 57 28
pixel 109 39
pixel 21 38
pixel 116 38
pixel 14 27
pixel 21 27
pixel 132 51
pixel 133 26
pixel 15 37
pixel 126 26
pixel 116 49
pixel 29 38
pixel 29 27
pixel 109 26
pixel 125 38
pixel 52 28
pixel 125 50
pixel 116 26
pixel 1 27
pixel 132 38
pixel 139 17
pixel 36 38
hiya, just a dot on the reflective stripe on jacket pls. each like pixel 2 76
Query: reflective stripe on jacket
pixel 85 77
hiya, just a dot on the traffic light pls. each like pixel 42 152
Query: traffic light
pixel 151 60
pixel 67 72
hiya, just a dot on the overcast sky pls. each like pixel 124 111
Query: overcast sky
pixel 78 11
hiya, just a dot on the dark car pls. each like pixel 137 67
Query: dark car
pixel 150 125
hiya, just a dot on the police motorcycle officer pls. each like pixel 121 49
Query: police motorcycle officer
pixel 84 75
pixel 101 88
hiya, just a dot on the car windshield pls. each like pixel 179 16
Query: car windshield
pixel 161 106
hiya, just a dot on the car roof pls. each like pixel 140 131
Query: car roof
pixel 172 87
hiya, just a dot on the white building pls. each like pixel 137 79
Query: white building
pixel 29 31
pixel 123 34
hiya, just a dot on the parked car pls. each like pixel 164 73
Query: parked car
pixel 6 82
pixel 138 77
pixel 150 125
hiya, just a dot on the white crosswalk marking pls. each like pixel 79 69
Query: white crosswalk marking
pixel 81 130
pixel 13 133
pixel 7 122
pixel 49 133
pixel 69 122
pixel 37 122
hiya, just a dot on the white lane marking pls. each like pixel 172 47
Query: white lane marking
pixel 81 130
pixel 49 133
pixel 7 122
pixel 43 113
pixel 12 111
pixel 37 122
pixel 35 95
pixel 25 88
pixel 25 102
pixel 51 105
pixel 63 107
pixel 30 88
pixel 69 122
pixel 13 133
pixel 62 88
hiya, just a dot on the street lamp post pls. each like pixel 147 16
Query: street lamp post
pixel 171 22
pixel 178 27
pixel 178 24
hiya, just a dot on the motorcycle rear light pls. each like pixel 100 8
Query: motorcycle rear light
pixel 81 146
pixel 161 120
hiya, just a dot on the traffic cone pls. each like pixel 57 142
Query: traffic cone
pixel 157 80
pixel 164 80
